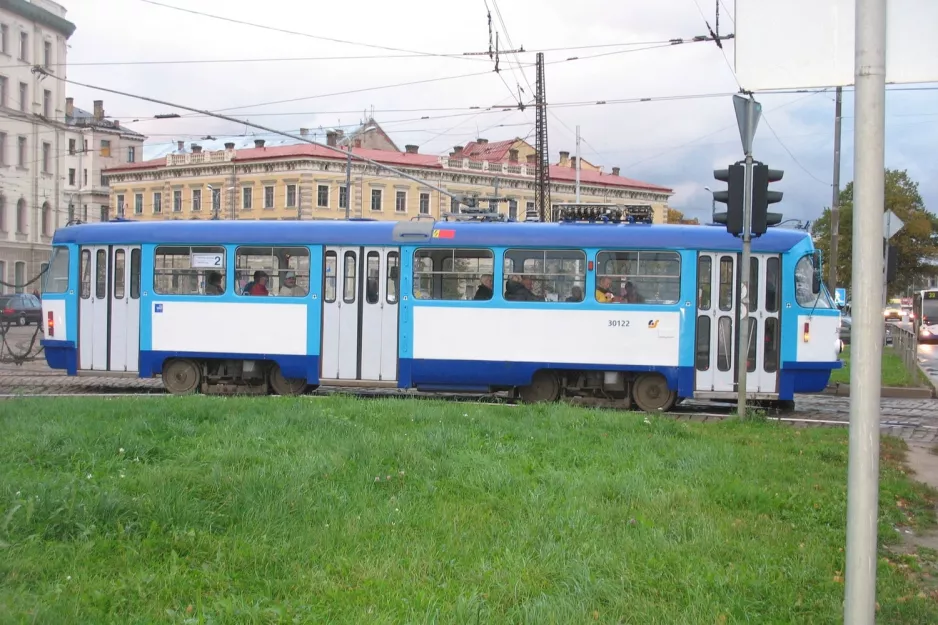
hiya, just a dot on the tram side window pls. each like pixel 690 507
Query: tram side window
pixel 638 277
pixel 100 278
pixel 804 279
pixel 120 259
pixel 135 274
pixel 544 275
pixel 330 277
pixel 184 270
pixel 280 271
pixel 56 278
pixel 453 274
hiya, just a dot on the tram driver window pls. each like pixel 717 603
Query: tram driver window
pixel 184 270
pixel 450 274
pixel 278 271
pixel 638 277
pixel 544 275
pixel 804 291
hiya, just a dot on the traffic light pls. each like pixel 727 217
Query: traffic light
pixel 762 197
pixel 735 177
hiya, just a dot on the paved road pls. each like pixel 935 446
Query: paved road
pixel 915 420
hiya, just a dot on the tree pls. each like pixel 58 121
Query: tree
pixel 916 243
pixel 677 217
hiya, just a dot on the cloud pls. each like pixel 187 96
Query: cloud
pixel 676 143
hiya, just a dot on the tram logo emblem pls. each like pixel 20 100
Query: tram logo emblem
pixel 652 324
pixel 157 308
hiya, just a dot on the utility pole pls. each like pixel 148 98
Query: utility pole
pixel 542 166
pixel 867 348
pixel 577 165
pixel 348 182
pixel 742 358
pixel 835 200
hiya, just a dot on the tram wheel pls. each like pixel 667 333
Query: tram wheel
pixel 182 376
pixel 651 393
pixel 282 385
pixel 544 387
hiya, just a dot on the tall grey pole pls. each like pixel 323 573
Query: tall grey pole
pixel 866 369
pixel 835 200
pixel 348 183
pixel 578 164
pixel 743 354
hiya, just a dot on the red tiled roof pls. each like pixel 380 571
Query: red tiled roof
pixel 428 161
pixel 492 152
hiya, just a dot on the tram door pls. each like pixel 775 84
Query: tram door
pixel 360 314
pixel 109 309
pixel 716 345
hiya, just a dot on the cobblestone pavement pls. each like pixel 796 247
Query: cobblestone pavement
pixel 915 420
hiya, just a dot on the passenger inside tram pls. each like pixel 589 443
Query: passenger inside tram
pixel 604 292
pixel 213 283
pixel 258 286
pixel 484 292
pixel 288 285
pixel 576 295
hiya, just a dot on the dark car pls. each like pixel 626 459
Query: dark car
pixel 21 309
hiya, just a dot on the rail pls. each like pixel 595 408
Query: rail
pixel 905 344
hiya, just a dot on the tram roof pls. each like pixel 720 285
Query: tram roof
pixel 445 234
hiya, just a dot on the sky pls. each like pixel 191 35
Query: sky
pixel 595 51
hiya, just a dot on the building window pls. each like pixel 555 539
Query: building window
pixel 291 196
pixel 639 277
pixel 47 104
pixel 47 54
pixel 189 270
pixel 400 201
pixel 138 203
pixel 71 213
pixel 131 154
pixel 3 148
pixel 513 210
pixel 84 177
pixel 24 96
pixel 216 201
pixel 450 274
pixel 343 197
pixel 3 223
pixel 196 200
pixel 286 269
pixel 177 200
pixel 71 147
pixel 268 197
pixel 19 276
pixel 46 157
pixel 3 276
pixel 24 46
pixel 84 213
pixel 322 196
pixel 21 152
pixel 22 215
pixel 157 203
pixel 105 213
pixel 247 198
pixel 424 203
pixel 4 47
pixel 376 199
pixel 3 90
pixel 71 176
pixel 453 205
pixel 105 147
pixel 46 219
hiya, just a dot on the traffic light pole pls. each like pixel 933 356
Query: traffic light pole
pixel 867 348
pixel 742 359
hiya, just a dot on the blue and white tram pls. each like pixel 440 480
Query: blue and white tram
pixel 287 305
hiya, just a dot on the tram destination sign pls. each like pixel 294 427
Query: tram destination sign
pixel 206 260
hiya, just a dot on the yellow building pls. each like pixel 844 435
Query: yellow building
pixel 304 181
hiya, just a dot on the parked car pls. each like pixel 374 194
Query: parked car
pixel 21 309
pixel 846 324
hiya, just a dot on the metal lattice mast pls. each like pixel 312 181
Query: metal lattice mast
pixel 542 167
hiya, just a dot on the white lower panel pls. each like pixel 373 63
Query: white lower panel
pixel 823 338
pixel 613 337
pixel 229 327
pixel 57 308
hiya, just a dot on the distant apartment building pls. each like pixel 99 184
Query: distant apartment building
pixel 304 181
pixel 31 134
pixel 94 143
pixel 51 152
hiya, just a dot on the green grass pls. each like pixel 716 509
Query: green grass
pixel 338 510
pixel 894 371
